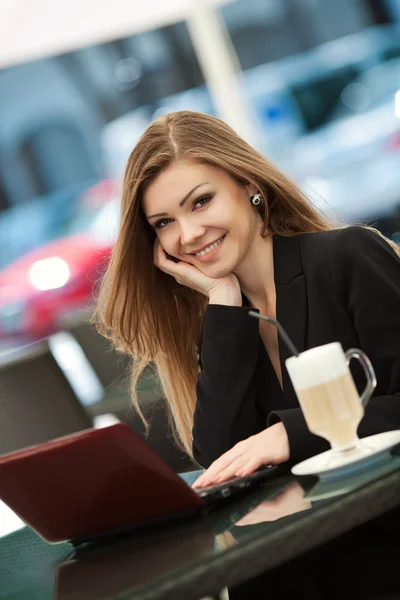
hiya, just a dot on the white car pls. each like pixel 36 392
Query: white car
pixel 351 166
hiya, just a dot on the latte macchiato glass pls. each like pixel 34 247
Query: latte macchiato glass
pixel 327 393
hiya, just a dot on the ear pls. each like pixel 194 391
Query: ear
pixel 251 189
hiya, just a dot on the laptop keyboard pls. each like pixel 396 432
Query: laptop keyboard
pixel 235 485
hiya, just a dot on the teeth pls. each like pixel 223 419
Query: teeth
pixel 209 248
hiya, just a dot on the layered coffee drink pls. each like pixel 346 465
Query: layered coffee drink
pixel 327 394
pixel 333 410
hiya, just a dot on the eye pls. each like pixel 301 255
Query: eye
pixel 161 223
pixel 202 201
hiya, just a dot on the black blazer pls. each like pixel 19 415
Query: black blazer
pixel 341 285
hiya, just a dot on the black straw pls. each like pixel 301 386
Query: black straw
pixel 281 331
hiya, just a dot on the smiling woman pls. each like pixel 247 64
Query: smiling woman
pixel 210 228
pixel 213 226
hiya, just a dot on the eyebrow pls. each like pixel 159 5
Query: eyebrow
pixel 182 202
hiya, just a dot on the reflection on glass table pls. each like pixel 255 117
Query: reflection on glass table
pixel 287 502
pixel 265 528
pixel 126 564
pixel 296 497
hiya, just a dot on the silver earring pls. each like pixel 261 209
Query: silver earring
pixel 256 199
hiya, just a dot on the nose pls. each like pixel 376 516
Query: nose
pixel 190 233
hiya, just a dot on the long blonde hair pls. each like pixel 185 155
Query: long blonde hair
pixel 145 312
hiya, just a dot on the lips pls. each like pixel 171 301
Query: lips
pixel 209 247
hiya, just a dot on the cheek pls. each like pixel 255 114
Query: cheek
pixel 168 240
pixel 239 222
pixel 236 212
pixel 222 217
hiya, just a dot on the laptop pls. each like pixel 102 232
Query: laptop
pixel 102 482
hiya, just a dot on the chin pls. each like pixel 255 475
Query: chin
pixel 216 271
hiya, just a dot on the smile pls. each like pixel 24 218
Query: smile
pixel 209 248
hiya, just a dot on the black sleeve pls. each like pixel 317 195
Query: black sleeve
pixel 226 410
pixel 365 275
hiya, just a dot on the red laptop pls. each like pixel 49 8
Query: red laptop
pixel 101 482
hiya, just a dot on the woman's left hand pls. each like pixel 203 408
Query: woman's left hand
pixel 270 447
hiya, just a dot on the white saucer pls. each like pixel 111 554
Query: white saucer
pixel 331 487
pixel 330 464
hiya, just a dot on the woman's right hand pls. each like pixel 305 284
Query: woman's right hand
pixel 225 290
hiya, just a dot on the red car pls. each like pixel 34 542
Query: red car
pixel 40 289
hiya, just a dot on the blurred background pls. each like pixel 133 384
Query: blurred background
pixel 314 84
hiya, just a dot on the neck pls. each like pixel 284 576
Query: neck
pixel 256 274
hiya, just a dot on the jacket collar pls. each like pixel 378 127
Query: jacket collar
pixel 287 262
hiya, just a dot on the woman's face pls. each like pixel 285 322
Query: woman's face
pixel 202 216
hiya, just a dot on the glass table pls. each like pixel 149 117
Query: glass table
pixel 264 529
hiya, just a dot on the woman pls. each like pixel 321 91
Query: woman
pixel 210 228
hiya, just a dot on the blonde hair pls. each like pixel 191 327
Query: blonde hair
pixel 145 312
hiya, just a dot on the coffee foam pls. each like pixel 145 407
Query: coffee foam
pixel 317 366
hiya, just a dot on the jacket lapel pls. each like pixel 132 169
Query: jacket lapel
pixel 291 302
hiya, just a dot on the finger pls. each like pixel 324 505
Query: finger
pixel 251 465
pixel 162 257
pixel 230 471
pixel 214 469
pixel 221 463
pixel 161 260
pixel 207 477
pixel 203 480
pixel 156 248
pixel 224 472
